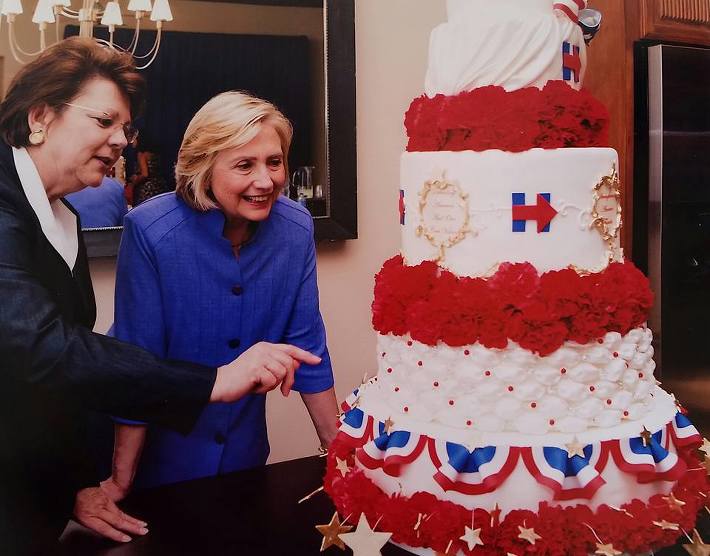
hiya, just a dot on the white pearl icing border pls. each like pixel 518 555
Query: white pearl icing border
pixel 576 388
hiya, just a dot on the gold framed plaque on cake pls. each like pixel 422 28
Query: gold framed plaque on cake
pixel 606 211
pixel 443 214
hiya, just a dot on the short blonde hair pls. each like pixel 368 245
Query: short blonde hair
pixel 228 120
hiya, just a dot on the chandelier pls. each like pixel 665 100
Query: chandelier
pixel 92 12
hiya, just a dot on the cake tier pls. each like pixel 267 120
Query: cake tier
pixel 516 45
pixel 540 206
pixel 576 389
pixel 402 479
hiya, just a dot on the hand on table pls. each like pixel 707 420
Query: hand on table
pixel 95 510
pixel 261 368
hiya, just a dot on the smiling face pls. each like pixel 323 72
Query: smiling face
pixel 82 141
pixel 247 180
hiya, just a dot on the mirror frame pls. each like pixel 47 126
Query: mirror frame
pixel 341 146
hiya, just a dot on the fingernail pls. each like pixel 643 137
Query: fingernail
pixel 125 538
pixel 144 530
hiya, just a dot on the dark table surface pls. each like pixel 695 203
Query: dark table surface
pixel 252 513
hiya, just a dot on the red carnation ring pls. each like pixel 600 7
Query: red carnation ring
pixel 539 312
pixel 492 118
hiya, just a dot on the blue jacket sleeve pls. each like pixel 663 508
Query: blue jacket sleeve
pixel 138 306
pixel 305 328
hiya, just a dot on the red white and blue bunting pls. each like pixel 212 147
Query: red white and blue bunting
pixel 649 457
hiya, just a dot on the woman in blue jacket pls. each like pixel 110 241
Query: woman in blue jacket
pixel 221 265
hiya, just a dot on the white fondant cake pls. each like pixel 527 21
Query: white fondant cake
pixel 466 437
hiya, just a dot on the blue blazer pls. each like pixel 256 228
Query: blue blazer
pixel 182 294
pixel 53 369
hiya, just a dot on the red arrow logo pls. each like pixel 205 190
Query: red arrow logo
pixel 542 212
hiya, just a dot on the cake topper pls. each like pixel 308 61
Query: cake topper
pixel 443 214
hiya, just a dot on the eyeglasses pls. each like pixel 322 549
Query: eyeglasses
pixel 107 121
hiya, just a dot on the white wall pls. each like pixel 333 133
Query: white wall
pixel 391 48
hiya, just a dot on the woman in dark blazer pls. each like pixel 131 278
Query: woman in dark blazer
pixel 63 124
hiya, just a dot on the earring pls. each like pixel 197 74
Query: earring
pixel 37 137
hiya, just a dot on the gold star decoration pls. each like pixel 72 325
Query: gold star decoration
pixel 666 525
pixel 389 423
pixel 575 448
pixel 528 534
pixel 697 546
pixel 472 537
pixel 674 503
pixel 705 448
pixel 342 466
pixel 606 550
pixel 331 533
pixel 645 435
pixel 364 541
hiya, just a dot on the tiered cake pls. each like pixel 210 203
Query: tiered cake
pixel 515 408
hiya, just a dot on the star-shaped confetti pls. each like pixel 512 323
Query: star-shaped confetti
pixel 389 423
pixel 606 550
pixel 575 448
pixel 697 546
pixel 495 515
pixel 364 541
pixel 674 503
pixel 331 533
pixel 645 435
pixel 666 525
pixel 472 537
pixel 528 535
pixel 342 466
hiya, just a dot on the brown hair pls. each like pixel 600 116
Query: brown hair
pixel 57 76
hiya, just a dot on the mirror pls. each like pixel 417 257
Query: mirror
pixel 322 161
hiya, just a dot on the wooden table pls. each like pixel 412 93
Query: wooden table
pixel 248 513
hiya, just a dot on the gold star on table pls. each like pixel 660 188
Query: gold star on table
pixel 528 535
pixel 342 466
pixel 705 448
pixel 389 423
pixel 331 533
pixel 575 448
pixel 645 435
pixel 666 525
pixel 697 546
pixel 472 537
pixel 606 550
pixel 364 541
pixel 674 503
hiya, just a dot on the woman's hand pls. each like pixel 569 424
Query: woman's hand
pixel 95 510
pixel 261 368
pixel 114 490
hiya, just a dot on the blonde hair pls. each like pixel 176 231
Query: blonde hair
pixel 228 120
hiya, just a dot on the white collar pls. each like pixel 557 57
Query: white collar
pixel 57 221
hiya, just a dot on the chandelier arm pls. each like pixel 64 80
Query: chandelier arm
pixel 134 40
pixel 68 12
pixel 154 50
pixel 14 45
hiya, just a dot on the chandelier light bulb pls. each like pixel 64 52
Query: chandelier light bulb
pixel 112 14
pixel 11 7
pixel 161 11
pixel 139 6
pixel 43 12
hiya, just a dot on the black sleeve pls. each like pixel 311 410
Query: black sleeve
pixel 40 347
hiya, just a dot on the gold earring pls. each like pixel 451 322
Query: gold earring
pixel 37 137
